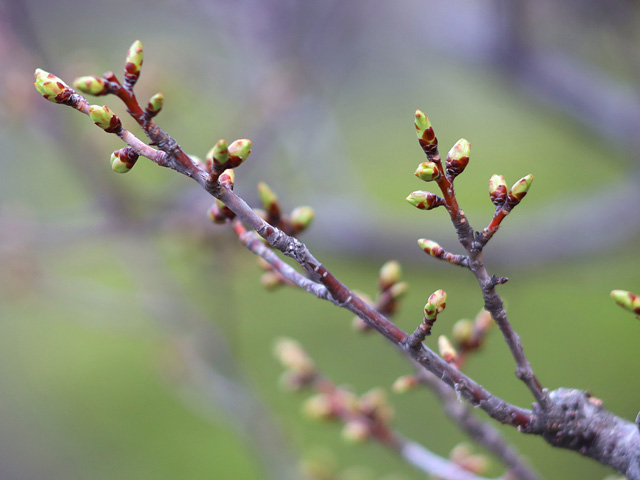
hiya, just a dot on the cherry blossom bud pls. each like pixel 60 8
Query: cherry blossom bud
pixel 51 87
pixel 519 190
pixel 91 85
pixel 497 190
pixel 431 247
pixel 458 158
pixel 103 117
pixel 424 200
pixel 427 171
pixel 133 63
pixel 228 178
pixel 424 130
pixel 627 300
pixel 447 352
pixel 123 160
pixel 462 331
pixel 435 304
pixel 404 384
pixel 389 275
pixel 293 357
pixel 239 151
pixel 155 104
pixel 301 218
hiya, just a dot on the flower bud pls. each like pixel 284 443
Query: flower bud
pixel 519 190
pixel 497 190
pixel 356 431
pixel 218 155
pixel 51 87
pixel 458 158
pixel 228 178
pixel 425 133
pixel 103 117
pixel 424 200
pixel 435 304
pixel 627 300
pixel 91 85
pixel 219 213
pixel 483 321
pixel 427 171
pixel 268 198
pixel 123 160
pixel 398 290
pixel 239 151
pixel 155 104
pixel 431 247
pixel 447 352
pixel 462 332
pixel 404 384
pixel 301 218
pixel 133 63
pixel 318 407
pixel 293 357
pixel 390 274
pixel 271 280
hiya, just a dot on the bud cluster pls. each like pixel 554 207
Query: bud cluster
pixel 222 156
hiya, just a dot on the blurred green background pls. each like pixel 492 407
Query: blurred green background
pixel 135 337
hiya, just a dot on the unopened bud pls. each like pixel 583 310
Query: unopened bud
pixel 372 401
pixel 458 158
pixel 219 213
pixel 133 63
pixel 390 274
pixel 123 160
pixel 404 384
pixel 497 190
pixel 462 332
pixel 228 178
pixel 293 357
pixel 435 304
pixel 425 133
pixel 427 171
pixel 627 300
pixel 447 352
pixel 271 280
pixel 218 155
pixel 360 325
pixel 424 200
pixel 103 117
pixel 268 198
pixel 239 151
pixel 51 87
pixel 483 320
pixel 155 104
pixel 301 218
pixel 318 407
pixel 356 431
pixel 91 85
pixel 398 290
pixel 431 247
pixel 519 190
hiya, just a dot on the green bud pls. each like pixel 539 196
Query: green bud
pixel 398 290
pixel 91 85
pixel 435 304
pixel 431 247
pixel 627 300
pixel 133 63
pixel 268 198
pixel 228 178
pixel 155 104
pixel 356 431
pixel 301 218
pixel 424 200
pixel 497 190
pixel 458 158
pixel 239 151
pixel 462 332
pixel 389 275
pixel 51 87
pixel 425 133
pixel 427 171
pixel 216 214
pixel 519 190
pixel 293 357
pixel 105 118
pixel 404 384
pixel 447 352
pixel 218 155
pixel 318 407
pixel 123 160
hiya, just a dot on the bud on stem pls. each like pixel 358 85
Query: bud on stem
pixel 51 87
pixel 425 133
pixel 155 105
pixel 458 158
pixel 123 160
pixel 389 275
pixel 436 304
pixel 301 218
pixel 497 190
pixel 431 247
pixel 133 64
pixel 627 300
pixel 447 352
pixel 519 190
pixel 91 85
pixel 424 200
pixel 105 118
pixel 427 171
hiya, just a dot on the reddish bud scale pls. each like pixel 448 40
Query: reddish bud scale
pixel 519 190
pixel 497 190
pixel 227 178
pixel 458 158
pixel 431 247
pixel 124 159
pixel 52 88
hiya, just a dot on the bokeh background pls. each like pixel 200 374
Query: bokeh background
pixel 135 337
